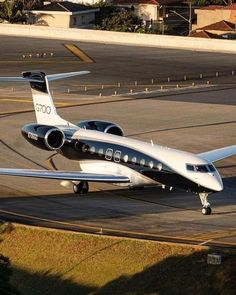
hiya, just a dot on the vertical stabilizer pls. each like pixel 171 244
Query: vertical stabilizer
pixel 45 110
pixel 43 103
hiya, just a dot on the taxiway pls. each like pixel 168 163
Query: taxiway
pixel 192 118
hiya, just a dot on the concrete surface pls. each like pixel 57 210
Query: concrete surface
pixel 132 39
pixel 196 120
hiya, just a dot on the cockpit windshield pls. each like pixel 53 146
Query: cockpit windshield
pixel 200 168
pixel 211 168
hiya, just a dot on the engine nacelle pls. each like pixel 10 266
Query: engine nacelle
pixel 106 127
pixel 43 136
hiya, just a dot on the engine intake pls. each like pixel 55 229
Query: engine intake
pixel 103 126
pixel 54 139
pixel 43 136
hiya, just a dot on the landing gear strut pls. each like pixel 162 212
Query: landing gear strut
pixel 206 210
pixel 81 188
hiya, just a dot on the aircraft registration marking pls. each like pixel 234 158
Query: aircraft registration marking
pixel 33 136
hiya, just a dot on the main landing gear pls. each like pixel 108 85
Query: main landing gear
pixel 81 188
pixel 206 210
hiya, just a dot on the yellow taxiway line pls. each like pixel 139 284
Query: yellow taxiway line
pixel 79 53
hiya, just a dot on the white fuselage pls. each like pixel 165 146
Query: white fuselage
pixel 176 160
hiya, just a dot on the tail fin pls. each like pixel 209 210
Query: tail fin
pixel 43 103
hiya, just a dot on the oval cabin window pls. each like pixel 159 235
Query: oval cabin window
pixel 126 158
pixel 142 162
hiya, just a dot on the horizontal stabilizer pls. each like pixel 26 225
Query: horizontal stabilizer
pixel 65 175
pixel 66 75
pixel 219 154
pixel 40 79
pixel 20 79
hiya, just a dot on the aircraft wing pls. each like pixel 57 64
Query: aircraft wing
pixel 65 175
pixel 219 154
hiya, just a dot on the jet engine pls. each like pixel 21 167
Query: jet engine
pixel 43 136
pixel 103 126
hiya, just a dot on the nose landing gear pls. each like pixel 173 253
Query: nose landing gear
pixel 81 188
pixel 206 210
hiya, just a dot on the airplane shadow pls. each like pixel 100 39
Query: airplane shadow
pixel 109 203
pixel 229 179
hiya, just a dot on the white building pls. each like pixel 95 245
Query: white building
pixel 63 15
pixel 85 2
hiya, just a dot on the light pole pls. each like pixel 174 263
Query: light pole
pixel 189 20
pixel 161 21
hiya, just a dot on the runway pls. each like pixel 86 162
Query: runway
pixel 193 118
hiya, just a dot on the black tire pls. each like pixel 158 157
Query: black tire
pixel 209 210
pixel 206 210
pixel 84 187
pixel 81 188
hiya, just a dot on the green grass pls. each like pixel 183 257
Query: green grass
pixel 57 262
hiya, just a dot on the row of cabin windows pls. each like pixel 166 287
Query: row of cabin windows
pixel 117 156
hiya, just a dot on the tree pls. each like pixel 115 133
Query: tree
pixel 212 2
pixel 14 11
pixel 106 9
pixel 124 21
pixel 31 4
pixel 11 11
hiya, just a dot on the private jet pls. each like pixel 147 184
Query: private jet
pixel 104 154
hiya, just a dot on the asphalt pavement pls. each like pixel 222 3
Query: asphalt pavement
pixel 186 112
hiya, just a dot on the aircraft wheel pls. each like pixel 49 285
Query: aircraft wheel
pixel 209 210
pixel 76 188
pixel 206 210
pixel 81 188
pixel 85 187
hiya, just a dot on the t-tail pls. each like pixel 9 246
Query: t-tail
pixel 44 107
